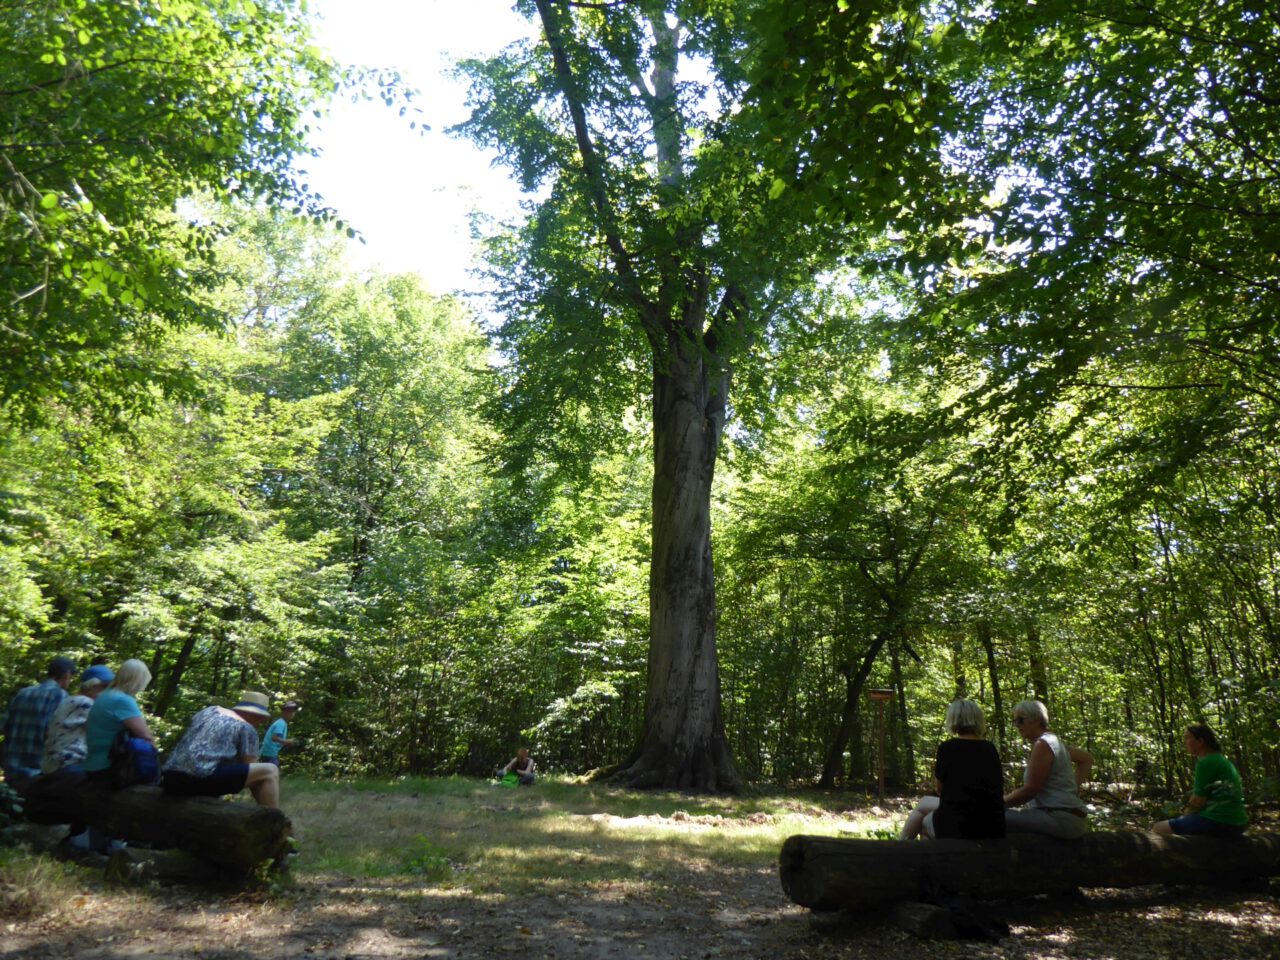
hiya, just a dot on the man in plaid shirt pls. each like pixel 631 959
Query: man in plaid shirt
pixel 28 716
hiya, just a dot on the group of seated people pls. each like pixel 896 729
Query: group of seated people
pixel 49 731
pixel 971 802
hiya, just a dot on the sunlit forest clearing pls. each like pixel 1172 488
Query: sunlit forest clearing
pixel 418 868
pixel 846 359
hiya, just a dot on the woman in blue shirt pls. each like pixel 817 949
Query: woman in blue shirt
pixel 115 709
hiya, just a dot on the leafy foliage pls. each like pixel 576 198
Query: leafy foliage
pixel 114 114
pixel 982 296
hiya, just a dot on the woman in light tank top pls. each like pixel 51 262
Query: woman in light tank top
pixel 1048 792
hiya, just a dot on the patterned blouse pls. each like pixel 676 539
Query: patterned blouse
pixel 216 736
pixel 64 738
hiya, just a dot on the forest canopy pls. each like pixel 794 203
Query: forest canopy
pixel 928 347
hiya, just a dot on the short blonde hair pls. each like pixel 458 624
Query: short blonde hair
pixel 965 716
pixel 132 678
pixel 1033 710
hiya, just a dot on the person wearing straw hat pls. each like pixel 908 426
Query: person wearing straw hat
pixel 218 754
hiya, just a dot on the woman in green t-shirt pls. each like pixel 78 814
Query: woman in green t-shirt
pixel 1217 800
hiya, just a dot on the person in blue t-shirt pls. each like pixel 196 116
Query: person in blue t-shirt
pixel 277 735
pixel 115 708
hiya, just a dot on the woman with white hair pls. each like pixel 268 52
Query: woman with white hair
pixel 967 777
pixel 1048 790
pixel 115 709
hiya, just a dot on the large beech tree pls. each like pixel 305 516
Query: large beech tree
pixel 660 263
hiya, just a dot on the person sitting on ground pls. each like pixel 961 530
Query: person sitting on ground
pixel 968 780
pixel 115 709
pixel 1216 808
pixel 218 754
pixel 1049 784
pixel 277 735
pixel 522 766
pixel 27 718
pixel 64 739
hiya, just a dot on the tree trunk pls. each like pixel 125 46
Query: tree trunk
pixel 854 683
pixel 825 873
pixel 170 688
pixel 133 867
pixel 960 681
pixel 683 745
pixel 1039 670
pixel 904 750
pixel 997 702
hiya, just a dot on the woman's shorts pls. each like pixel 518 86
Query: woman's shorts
pixel 226 778
pixel 1194 825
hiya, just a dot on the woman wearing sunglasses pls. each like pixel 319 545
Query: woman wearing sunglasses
pixel 1048 795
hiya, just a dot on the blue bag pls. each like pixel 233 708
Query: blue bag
pixel 134 761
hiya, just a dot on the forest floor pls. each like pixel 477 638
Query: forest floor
pixel 460 869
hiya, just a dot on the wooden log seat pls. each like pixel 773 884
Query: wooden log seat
pixel 235 836
pixel 830 873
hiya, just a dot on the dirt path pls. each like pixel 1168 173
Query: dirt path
pixel 577 872
pixel 703 914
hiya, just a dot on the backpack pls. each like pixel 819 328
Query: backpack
pixel 134 761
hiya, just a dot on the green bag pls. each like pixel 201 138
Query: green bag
pixel 509 780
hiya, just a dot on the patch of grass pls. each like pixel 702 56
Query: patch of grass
pixel 34 886
pixel 557 836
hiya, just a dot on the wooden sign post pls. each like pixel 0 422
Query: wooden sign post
pixel 881 696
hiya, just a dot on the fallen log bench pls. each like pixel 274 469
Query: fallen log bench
pixel 236 837
pixel 831 873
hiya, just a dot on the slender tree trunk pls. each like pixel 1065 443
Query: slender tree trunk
pixel 957 667
pixel 684 744
pixel 904 754
pixel 1039 672
pixel 997 702
pixel 854 684
pixel 170 688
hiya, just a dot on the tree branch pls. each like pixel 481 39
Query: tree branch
pixel 594 173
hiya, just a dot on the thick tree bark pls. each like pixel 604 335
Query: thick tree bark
pixel 684 744
pixel 133 867
pixel 825 873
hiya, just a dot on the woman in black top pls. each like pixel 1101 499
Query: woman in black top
pixel 969 781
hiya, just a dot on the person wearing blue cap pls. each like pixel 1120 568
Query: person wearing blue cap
pixel 64 743
pixel 27 718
